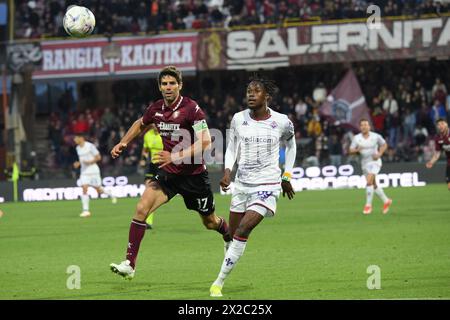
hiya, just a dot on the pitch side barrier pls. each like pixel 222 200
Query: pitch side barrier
pixel 309 178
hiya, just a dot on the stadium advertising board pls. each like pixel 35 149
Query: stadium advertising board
pixel 345 176
pixel 128 56
pixel 324 43
pixel 310 178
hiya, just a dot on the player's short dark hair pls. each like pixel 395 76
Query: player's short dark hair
pixel 269 85
pixel 81 134
pixel 364 119
pixel 170 71
pixel 441 120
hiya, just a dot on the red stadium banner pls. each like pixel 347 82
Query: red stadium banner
pixel 325 43
pixel 128 56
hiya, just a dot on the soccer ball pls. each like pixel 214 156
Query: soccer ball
pixel 79 21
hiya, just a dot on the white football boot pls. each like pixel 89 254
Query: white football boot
pixel 123 269
pixel 85 214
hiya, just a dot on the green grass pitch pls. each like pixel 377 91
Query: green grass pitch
pixel 318 246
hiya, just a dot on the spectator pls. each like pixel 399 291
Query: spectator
pixel 409 123
pixel 420 135
pixel 81 125
pixel 439 91
pixel 390 105
pixel 335 149
pixel 393 125
pixel 437 111
pixel 378 119
pixel 314 127
pixel 322 149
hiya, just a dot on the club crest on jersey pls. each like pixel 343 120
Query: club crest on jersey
pixel 274 124
pixel 176 114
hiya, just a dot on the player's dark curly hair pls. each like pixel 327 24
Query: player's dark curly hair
pixel 269 85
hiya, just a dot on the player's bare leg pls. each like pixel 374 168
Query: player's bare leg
pixel 370 178
pixel 380 193
pixel 233 223
pixel 249 221
pixel 213 222
pixel 85 202
pixel 152 198
pixel 109 193
pixel 149 220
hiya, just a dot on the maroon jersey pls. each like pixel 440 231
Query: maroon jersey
pixel 442 143
pixel 170 120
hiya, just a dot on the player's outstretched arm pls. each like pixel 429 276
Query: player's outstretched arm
pixel 226 180
pixel 132 133
pixel 291 153
pixel 436 156
pixel 230 158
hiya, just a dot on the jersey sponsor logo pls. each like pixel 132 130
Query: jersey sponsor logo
pixel 167 129
pixel 446 147
pixel 257 139
pixel 168 126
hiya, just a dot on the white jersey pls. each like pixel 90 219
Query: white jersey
pixel 257 147
pixel 88 153
pixel 368 147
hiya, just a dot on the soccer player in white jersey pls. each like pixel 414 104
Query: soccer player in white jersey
pixel 88 156
pixel 255 137
pixel 370 146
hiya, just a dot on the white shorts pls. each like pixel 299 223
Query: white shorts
pixel 94 180
pixel 371 168
pixel 263 202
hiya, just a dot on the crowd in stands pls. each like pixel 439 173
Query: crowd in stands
pixel 404 101
pixel 37 18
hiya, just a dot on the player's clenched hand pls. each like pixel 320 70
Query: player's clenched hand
pixel 76 164
pixel 118 149
pixel 225 181
pixel 163 158
pixel 429 164
pixel 287 189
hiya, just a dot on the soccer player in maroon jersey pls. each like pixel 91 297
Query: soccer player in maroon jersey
pixel 174 115
pixel 442 143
